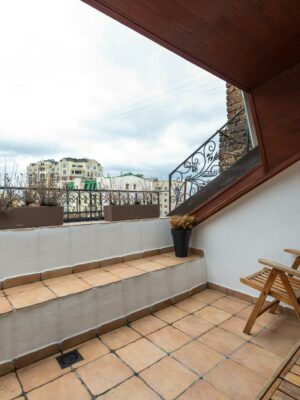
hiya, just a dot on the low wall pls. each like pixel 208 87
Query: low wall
pixel 259 225
pixel 25 251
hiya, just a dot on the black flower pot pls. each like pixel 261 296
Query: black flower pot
pixel 181 239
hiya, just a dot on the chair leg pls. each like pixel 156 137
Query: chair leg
pixel 290 293
pixel 274 307
pixel 260 302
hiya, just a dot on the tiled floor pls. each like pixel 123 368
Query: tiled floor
pixel 192 350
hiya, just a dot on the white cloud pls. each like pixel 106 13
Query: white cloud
pixel 70 78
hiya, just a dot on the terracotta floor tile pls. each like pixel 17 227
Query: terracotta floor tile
pixel 285 328
pixel 23 288
pixel 85 274
pixel 202 390
pixel 9 387
pixel 90 350
pixel 189 305
pixel 236 381
pixel 150 266
pixel 257 359
pixel 114 267
pixel 198 357
pixel 192 325
pixel 60 279
pixel 236 326
pixel 120 337
pixel 168 378
pixel 213 315
pixel 170 261
pixel 170 314
pixel 169 254
pixel 140 354
pixel 223 342
pixel 147 325
pixel 126 271
pixel 230 305
pixel 155 258
pixel 133 389
pixel 70 287
pixel 5 306
pixel 208 296
pixel 67 387
pixel 100 278
pixel 34 296
pixel 273 341
pixel 169 338
pixel 40 372
pixel 137 262
pixel 264 320
pixel 103 374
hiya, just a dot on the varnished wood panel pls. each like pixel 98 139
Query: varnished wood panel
pixel 277 105
pixel 246 42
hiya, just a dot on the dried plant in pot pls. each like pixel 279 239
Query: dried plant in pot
pixel 181 232
pixel 10 197
pixel 33 205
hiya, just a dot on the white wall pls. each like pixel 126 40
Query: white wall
pixel 24 251
pixel 259 225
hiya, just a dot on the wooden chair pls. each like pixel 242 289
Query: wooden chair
pixel 278 281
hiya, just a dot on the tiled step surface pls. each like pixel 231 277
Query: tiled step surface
pixel 23 296
pixel 194 349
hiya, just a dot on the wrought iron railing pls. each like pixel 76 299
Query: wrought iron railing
pixel 218 153
pixel 85 205
pixel 89 204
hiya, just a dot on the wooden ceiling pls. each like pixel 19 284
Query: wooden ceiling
pixel 245 42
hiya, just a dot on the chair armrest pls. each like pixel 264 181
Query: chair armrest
pixel 280 267
pixel 293 251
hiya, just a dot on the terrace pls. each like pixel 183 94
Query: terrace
pixel 133 320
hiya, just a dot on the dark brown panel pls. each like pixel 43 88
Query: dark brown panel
pixel 245 42
pixel 254 178
pixel 277 105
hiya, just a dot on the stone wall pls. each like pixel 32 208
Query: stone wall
pixel 234 141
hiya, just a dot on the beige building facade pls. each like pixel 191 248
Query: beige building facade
pixel 59 173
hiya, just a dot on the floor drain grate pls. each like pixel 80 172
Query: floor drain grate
pixel 67 359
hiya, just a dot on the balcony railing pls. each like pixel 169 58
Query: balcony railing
pixel 218 153
pixel 88 205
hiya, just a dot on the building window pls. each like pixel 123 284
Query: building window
pixel 134 187
pixel 127 186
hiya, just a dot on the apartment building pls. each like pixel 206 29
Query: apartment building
pixel 44 171
pixel 126 181
pixel 64 171
pixel 163 187
pixel 84 168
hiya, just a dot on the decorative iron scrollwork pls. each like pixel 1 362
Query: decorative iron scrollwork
pixel 222 150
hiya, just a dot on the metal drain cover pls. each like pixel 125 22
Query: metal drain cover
pixel 67 359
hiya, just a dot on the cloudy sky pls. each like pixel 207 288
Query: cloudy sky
pixel 74 82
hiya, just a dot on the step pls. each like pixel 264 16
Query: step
pixel 52 310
